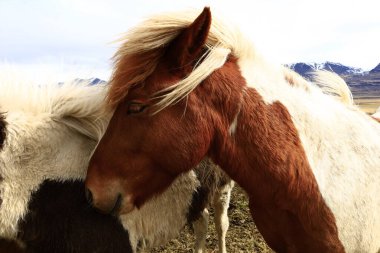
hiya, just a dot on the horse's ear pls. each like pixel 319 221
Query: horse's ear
pixel 185 50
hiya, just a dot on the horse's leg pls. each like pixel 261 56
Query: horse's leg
pixel 200 227
pixel 221 204
pixel 140 247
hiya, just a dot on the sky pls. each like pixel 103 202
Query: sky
pixel 42 36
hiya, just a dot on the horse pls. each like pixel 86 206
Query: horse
pixel 47 134
pixel 187 86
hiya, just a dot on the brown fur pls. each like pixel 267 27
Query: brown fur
pixel 294 79
pixel 265 155
pixel 130 71
pixel 377 119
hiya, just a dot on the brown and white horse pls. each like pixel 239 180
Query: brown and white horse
pixel 186 87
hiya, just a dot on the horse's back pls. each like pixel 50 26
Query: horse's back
pixel 343 149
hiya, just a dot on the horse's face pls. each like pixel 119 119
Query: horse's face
pixel 141 153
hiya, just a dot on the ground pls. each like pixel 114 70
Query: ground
pixel 242 236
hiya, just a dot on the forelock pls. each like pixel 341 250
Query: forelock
pixel 143 46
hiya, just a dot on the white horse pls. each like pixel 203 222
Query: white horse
pixel 49 132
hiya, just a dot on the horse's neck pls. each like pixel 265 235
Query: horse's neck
pixel 265 145
pixel 254 140
pixel 265 156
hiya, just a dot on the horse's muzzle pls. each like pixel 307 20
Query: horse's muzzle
pixel 105 206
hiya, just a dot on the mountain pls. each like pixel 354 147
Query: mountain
pixel 375 70
pixel 91 81
pixel 305 69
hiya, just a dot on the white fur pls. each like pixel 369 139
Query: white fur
pixel 162 218
pixel 38 144
pixel 51 132
pixel 377 114
pixel 200 228
pixel 232 128
pixel 342 143
pixel 221 203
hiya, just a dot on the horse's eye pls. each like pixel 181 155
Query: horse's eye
pixel 135 107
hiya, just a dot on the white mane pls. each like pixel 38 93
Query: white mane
pixel 51 131
pixel 332 84
pixel 76 103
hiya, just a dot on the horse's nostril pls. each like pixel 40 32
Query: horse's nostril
pixel 88 196
pixel 117 205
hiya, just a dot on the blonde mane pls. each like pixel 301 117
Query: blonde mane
pixel 77 104
pixel 143 46
pixel 332 84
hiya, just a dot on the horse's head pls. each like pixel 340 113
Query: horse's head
pixel 163 119
pixel 46 132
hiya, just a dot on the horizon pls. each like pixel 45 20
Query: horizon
pixel 74 36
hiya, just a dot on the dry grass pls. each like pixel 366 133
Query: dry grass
pixel 368 105
pixel 242 235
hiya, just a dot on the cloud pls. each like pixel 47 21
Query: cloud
pixel 285 31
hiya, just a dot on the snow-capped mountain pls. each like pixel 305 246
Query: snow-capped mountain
pixel 305 69
pixel 91 81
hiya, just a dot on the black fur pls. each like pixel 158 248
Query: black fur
pixel 59 220
pixel 210 181
pixel 8 246
pixel 2 139
pixel 2 130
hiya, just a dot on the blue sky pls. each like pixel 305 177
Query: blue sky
pixel 76 35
